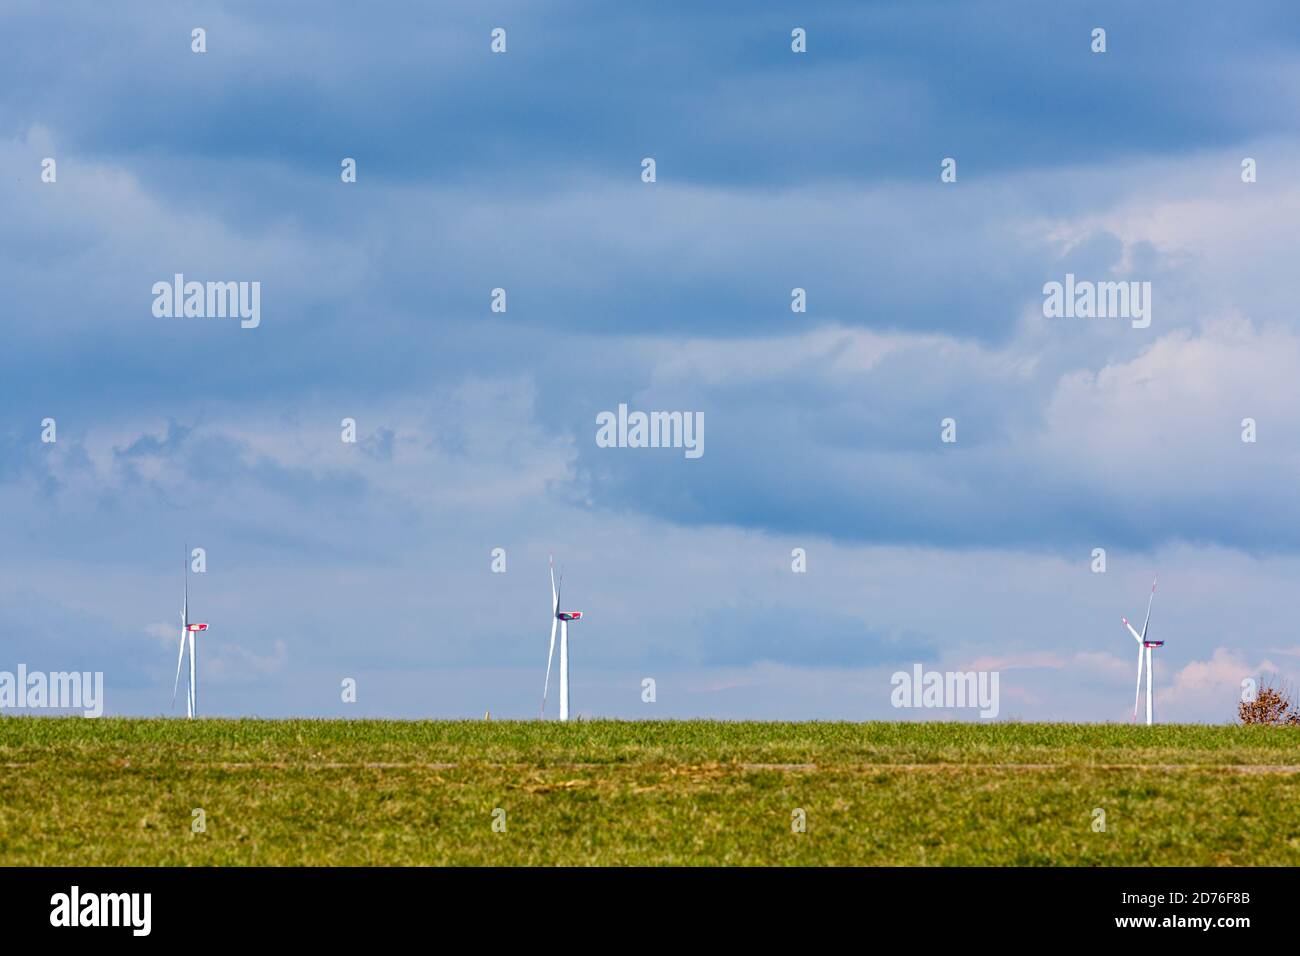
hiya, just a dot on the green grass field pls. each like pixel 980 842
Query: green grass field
pixel 94 792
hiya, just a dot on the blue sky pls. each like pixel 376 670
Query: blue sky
pixel 775 170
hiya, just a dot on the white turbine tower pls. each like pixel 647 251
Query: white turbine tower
pixel 561 620
pixel 1144 647
pixel 187 631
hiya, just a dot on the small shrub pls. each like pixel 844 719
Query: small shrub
pixel 1271 706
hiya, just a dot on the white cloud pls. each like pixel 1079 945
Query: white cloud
pixel 1202 687
pixel 237 664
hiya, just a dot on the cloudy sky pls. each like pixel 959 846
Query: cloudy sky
pixel 775 170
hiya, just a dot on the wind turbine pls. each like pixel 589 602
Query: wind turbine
pixel 561 620
pixel 1144 647
pixel 187 630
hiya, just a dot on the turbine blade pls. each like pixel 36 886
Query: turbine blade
pixel 1150 601
pixel 180 656
pixel 1136 637
pixel 549 655
pixel 555 598
pixel 1137 693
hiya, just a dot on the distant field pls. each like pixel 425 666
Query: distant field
pixel 76 791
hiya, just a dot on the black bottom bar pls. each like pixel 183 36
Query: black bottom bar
pixel 491 905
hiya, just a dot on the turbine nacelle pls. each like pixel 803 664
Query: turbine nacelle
pixel 569 615
pixel 196 627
